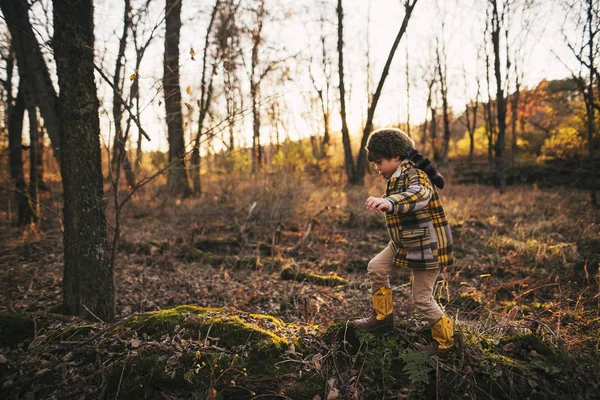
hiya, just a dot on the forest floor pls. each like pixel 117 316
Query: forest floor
pixel 524 294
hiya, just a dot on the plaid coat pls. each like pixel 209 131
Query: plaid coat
pixel 417 224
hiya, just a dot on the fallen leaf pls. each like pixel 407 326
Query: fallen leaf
pixel 316 360
pixel 3 359
pixel 212 394
pixel 333 394
pixel 42 372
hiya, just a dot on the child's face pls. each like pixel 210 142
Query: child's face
pixel 387 166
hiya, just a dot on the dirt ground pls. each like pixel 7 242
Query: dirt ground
pixel 527 260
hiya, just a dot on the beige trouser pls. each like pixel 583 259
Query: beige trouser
pixel 422 284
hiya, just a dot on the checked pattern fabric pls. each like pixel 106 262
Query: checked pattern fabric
pixel 417 225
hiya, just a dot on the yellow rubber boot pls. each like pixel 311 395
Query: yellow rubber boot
pixel 442 332
pixel 383 312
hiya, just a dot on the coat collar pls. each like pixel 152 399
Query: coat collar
pixel 401 168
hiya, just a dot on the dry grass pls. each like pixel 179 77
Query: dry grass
pixel 527 261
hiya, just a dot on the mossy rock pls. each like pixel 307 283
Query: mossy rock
pixel 214 348
pixel 15 328
pixel 218 244
pixel 290 273
pixel 261 337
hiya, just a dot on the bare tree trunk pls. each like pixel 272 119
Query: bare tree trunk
pixel 489 117
pixel 34 151
pixel 444 92
pixel 14 122
pixel 256 151
pixel 591 115
pixel 320 148
pixel 348 157
pixel 231 84
pixel 407 94
pixel 205 100
pixel 40 160
pixel 16 113
pixel 361 164
pixel 177 179
pixel 255 87
pixel 472 125
pixel 500 100
pixel 434 146
pixel 427 108
pixel 89 281
pixel 120 140
pixel 32 67
pixel 134 92
pixel 515 111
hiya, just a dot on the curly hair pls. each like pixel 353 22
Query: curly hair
pixel 389 143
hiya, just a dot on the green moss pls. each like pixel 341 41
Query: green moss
pixel 524 344
pixel 290 273
pixel 15 328
pixel 218 244
pixel 255 334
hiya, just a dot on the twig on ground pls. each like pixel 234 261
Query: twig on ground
pixel 92 314
pixel 309 225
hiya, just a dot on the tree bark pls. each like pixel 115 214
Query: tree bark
pixel 255 87
pixel 434 126
pixel 444 92
pixel 16 113
pixel 177 178
pixel 591 114
pixel 34 151
pixel 472 125
pixel 134 91
pixel 430 84
pixel 32 67
pixel 88 284
pixel 323 92
pixel 489 117
pixel 500 100
pixel 407 94
pixel 515 113
pixel 205 100
pixel 348 157
pixel 40 160
pixel 119 152
pixel 361 164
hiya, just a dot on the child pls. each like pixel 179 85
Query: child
pixel 419 232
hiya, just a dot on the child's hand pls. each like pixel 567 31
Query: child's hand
pixel 377 204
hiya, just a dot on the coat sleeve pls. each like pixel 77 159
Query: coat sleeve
pixel 416 196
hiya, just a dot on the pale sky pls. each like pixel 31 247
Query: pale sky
pixel 457 23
